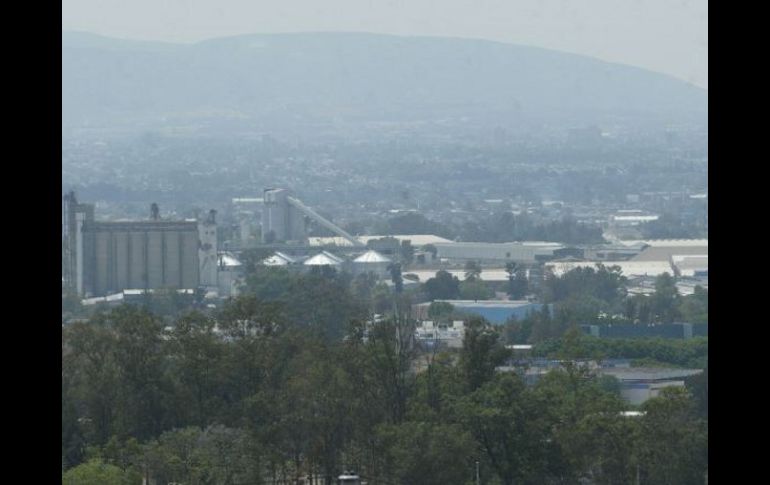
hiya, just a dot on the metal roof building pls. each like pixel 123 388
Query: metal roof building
pixel 691 265
pixel 665 253
pixel 414 239
pixel 638 384
pixel 525 252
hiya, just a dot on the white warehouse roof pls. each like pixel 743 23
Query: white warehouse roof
pixel 689 265
pixel 668 242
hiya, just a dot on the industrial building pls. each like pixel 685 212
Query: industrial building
pixel 416 240
pixel 229 274
pixel 691 265
pixel 665 252
pixel 627 224
pixel 102 258
pixel 74 216
pixel 519 252
pixel 285 219
pixel 676 257
pixel 432 334
pixel 282 221
pixel 638 384
pixel 208 256
pixel 247 212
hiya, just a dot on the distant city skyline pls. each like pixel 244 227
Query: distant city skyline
pixel 666 36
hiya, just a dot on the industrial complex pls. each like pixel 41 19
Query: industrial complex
pixel 102 258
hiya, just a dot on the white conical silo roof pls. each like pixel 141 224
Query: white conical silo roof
pixel 323 258
pixel 372 257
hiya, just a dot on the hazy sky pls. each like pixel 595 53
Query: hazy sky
pixel 669 36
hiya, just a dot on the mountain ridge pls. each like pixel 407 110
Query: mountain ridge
pixel 359 77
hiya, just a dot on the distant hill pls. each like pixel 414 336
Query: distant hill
pixel 351 77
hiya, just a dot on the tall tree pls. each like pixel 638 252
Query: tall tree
pixel 391 352
pixel 420 453
pixel 395 276
pixel 139 357
pixel 481 353
pixel 665 300
pixel 674 441
pixel 511 427
pixel 197 354
pixel 407 252
pixel 472 270
pixel 96 472
pixel 443 286
pixel 475 289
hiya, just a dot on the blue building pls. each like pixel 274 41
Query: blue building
pixel 496 312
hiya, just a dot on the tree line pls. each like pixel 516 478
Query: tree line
pixel 246 396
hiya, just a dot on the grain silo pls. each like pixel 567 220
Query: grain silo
pixel 372 262
pixel 101 258
pixel 139 255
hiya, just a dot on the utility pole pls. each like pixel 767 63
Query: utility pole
pixel 478 480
